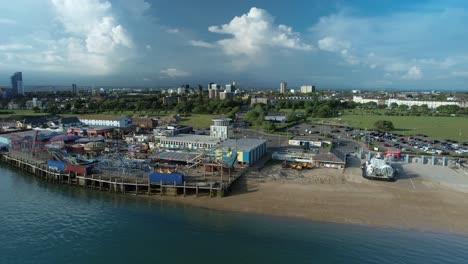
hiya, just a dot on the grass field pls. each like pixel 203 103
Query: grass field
pixel 435 127
pixel 20 113
pixel 198 121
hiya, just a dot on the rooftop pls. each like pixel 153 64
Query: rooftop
pixel 243 144
pixel 31 134
pixel 191 138
pixel 221 119
pixel 328 155
pixel 175 156
pixel 102 117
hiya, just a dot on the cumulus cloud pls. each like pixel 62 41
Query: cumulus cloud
pixel 173 73
pixel 414 73
pixel 92 19
pixel 94 34
pixel 332 44
pixel 200 43
pixel 398 42
pixel 255 30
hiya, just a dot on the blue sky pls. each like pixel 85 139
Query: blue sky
pixel 330 44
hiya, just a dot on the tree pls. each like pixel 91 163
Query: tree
pixel 403 107
pixel 384 125
pixel 393 105
pixel 324 111
pixel 448 109
pixel 292 117
pixel 268 126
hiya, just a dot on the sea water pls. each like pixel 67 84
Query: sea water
pixel 49 223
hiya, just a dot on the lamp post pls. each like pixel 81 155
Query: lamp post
pixel 368 139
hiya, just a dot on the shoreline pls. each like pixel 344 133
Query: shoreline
pixel 326 195
pixel 423 218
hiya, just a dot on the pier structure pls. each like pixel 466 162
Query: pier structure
pixel 126 185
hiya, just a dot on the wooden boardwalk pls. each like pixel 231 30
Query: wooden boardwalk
pixel 119 184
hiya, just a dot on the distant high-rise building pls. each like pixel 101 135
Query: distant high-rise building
pixel 181 90
pixel 213 91
pixel 228 88
pixel 17 83
pixel 74 89
pixel 307 89
pixel 283 87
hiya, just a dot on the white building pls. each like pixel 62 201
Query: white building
pixel 283 87
pixel 108 121
pixel 361 100
pixel 186 141
pixel 307 89
pixel 389 102
pixel 430 104
pixel 228 88
pixel 222 128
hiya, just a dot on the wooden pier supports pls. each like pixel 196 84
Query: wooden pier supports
pixel 122 185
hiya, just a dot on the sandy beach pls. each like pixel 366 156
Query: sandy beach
pixel 411 203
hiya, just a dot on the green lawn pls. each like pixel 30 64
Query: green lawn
pixel 198 121
pixel 20 113
pixel 435 127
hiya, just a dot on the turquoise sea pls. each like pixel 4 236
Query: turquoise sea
pixel 48 223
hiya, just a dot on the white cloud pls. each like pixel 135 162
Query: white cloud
pixel 11 47
pixel 94 43
pixel 148 46
pixel 200 43
pixel 173 73
pixel 255 30
pixel 332 44
pixel 93 21
pixel 414 73
pixel 7 21
pixel 172 30
pixel 398 42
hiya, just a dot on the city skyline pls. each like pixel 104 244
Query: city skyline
pixel 351 45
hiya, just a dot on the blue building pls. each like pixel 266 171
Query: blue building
pixel 249 150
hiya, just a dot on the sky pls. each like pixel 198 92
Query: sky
pixel 383 44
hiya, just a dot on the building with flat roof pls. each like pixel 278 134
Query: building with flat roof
pixel 17 83
pixel 258 100
pixel 307 89
pixel 226 96
pixel 103 120
pixel 74 89
pixel 222 128
pixel 187 141
pixel 294 156
pixel 249 150
pixel 283 87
